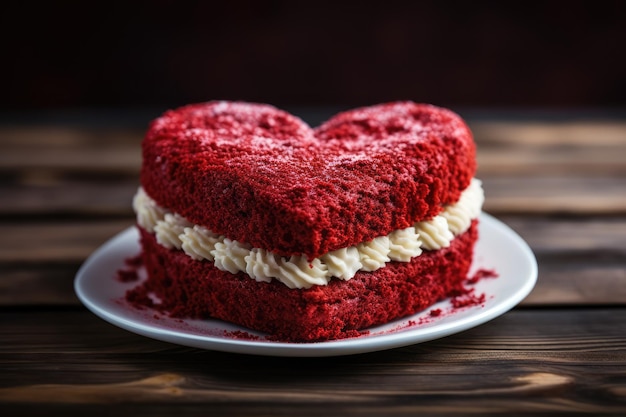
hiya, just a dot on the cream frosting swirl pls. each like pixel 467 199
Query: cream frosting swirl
pixel 343 263
pixel 201 244
pixel 404 244
pixel 147 210
pixel 434 233
pixel 461 214
pixel 169 229
pixel 230 255
pixel 373 254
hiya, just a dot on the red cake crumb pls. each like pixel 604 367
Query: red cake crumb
pixel 134 261
pixel 480 274
pixel 347 334
pixel 240 335
pixel 436 312
pixel 129 274
pixel 468 299
pixel 140 298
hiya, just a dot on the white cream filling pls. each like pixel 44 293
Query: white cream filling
pixel 174 231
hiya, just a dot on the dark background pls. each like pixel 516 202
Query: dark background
pixel 503 54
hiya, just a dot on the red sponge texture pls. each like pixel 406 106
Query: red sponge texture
pixel 262 176
pixel 190 288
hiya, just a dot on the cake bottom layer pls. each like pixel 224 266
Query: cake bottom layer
pixel 197 289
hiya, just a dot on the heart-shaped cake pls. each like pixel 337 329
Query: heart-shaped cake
pixel 249 215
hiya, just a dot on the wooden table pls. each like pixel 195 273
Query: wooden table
pixel 559 180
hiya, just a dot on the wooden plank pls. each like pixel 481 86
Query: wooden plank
pixel 581 282
pixel 537 148
pixel 581 261
pixel 546 134
pixel 576 194
pixel 60 242
pixel 505 146
pixel 51 148
pixel 72 160
pixel 567 361
pixel 536 161
pixel 596 237
pixel 52 168
pixel 68 136
pixel 510 194
pixel 48 137
pixel 38 285
pixel 73 197
pixel 67 241
pixel 127 160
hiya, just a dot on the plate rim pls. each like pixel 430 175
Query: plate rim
pixel 339 347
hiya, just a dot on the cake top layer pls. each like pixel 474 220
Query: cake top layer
pixel 387 125
pixel 262 176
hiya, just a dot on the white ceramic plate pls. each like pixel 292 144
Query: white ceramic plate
pixel 498 248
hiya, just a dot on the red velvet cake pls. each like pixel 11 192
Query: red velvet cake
pixel 250 216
